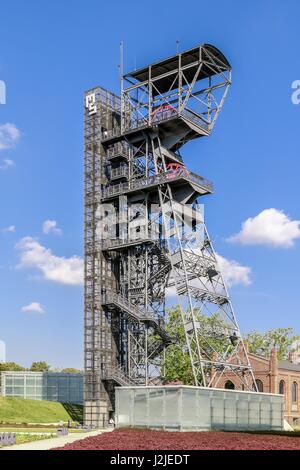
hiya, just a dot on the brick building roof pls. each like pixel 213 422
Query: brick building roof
pixel 288 366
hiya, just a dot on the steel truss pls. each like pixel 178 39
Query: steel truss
pixel 143 234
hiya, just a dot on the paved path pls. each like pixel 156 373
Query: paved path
pixel 47 444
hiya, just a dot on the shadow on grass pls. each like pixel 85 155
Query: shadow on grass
pixel 75 411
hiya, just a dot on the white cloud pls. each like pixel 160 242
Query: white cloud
pixel 9 229
pixel 9 135
pixel 233 272
pixel 53 268
pixel 50 226
pixel 6 163
pixel 34 307
pixel 271 227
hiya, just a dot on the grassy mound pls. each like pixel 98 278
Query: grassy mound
pixel 20 411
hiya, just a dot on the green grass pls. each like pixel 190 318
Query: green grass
pixel 20 411
pixel 26 429
pixel 48 430
pixel 23 438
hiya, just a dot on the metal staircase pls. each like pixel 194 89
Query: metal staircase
pixel 118 375
pixel 137 314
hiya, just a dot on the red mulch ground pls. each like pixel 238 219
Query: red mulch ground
pixel 130 439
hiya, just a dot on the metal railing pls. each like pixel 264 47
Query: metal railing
pixel 117 242
pixel 118 375
pixel 154 180
pixel 132 123
pixel 165 115
pixel 110 134
pixel 120 172
pixel 119 300
pixel 196 119
pixel 137 313
pixel 118 149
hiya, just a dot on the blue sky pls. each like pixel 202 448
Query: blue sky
pixel 50 52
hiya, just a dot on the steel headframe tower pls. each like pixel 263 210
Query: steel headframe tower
pixel 144 235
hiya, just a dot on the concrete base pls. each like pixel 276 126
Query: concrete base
pixel 184 408
pixel 287 426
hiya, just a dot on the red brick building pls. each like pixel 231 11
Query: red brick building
pixel 274 376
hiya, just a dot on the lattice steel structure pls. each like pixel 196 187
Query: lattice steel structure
pixel 143 233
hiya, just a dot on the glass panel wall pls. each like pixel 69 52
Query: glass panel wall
pixel 52 386
pixel 186 408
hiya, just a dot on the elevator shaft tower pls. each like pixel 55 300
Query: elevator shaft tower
pixel 144 235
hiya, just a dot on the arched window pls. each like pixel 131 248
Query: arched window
pixel 229 385
pixel 281 387
pixel 294 392
pixel 260 385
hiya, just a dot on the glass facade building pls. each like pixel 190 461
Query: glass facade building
pixel 184 408
pixel 51 386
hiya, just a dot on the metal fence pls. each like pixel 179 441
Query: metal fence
pixel 161 178
pixel 184 408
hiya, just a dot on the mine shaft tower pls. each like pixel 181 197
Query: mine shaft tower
pixel 144 235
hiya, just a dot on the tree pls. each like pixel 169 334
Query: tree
pixel 71 370
pixel 10 366
pixel 177 364
pixel 283 339
pixel 40 366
